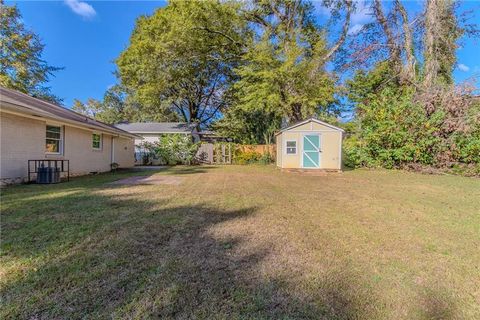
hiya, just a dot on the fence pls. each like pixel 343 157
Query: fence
pixel 221 153
pixel 262 149
pixel 214 153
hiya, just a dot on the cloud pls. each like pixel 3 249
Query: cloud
pixel 362 14
pixel 83 9
pixel 463 67
pixel 355 29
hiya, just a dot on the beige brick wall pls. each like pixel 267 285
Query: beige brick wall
pixel 124 152
pixel 23 139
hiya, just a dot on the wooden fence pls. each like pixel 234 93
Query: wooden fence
pixel 210 153
pixel 259 148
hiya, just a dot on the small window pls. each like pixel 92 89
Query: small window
pixel 292 147
pixel 53 142
pixel 97 141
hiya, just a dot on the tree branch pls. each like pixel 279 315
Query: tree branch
pixel 343 36
pixel 408 43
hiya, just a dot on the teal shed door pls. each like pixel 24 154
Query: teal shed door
pixel 311 151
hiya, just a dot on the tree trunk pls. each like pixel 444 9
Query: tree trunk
pixel 431 63
pixel 393 47
pixel 409 73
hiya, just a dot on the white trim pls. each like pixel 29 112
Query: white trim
pixel 296 147
pixel 314 130
pixel 112 153
pixel 311 120
pixel 61 140
pixel 340 152
pixel 162 132
pixel 101 141
pixel 34 113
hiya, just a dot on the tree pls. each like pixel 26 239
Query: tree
pixel 408 111
pixel 284 71
pixel 118 105
pixel 442 32
pixel 21 65
pixel 182 58
pixel 249 127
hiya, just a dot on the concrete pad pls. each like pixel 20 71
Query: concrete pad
pixel 149 180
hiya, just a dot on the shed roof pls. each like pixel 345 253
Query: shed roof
pixel 22 103
pixel 157 127
pixel 308 121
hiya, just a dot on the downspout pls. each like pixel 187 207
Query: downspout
pixel 112 155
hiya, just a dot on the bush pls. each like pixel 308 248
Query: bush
pixel 247 157
pixel 173 149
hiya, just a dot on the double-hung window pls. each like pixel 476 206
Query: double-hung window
pixel 291 147
pixel 54 139
pixel 96 141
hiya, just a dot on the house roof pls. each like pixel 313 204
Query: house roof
pixel 20 103
pixel 157 127
pixel 307 121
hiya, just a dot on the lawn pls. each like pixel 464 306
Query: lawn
pixel 243 242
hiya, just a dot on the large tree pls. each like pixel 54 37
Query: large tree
pixel 284 70
pixel 21 65
pixel 408 109
pixel 118 105
pixel 182 58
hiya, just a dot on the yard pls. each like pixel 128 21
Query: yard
pixel 243 242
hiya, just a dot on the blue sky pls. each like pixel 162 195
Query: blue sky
pixel 85 38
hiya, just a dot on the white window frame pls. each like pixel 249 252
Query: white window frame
pixel 60 145
pixel 101 141
pixel 286 147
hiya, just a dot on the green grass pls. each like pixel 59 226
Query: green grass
pixel 242 242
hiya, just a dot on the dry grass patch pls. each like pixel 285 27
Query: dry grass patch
pixel 244 242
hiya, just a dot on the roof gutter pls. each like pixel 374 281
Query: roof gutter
pixel 36 114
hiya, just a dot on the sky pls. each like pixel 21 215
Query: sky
pixel 85 37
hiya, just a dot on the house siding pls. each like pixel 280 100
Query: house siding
pixel 19 142
pixel 124 153
pixel 23 139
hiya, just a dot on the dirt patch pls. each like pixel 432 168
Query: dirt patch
pixel 149 180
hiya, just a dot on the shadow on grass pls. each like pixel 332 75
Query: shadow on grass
pixel 190 169
pixel 124 256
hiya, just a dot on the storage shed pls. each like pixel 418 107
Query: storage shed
pixel 310 144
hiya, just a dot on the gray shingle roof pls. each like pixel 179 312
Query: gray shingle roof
pixel 33 106
pixel 156 127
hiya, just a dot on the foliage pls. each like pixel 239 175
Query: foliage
pixel 245 155
pixel 173 149
pixel 392 131
pixel 394 127
pixel 21 65
pixel 181 58
pixel 284 72
pixel 255 127
pixel 118 105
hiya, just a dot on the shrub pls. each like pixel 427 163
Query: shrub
pixel 247 157
pixel 173 149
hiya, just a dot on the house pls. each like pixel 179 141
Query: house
pixel 33 129
pixel 311 144
pixel 151 132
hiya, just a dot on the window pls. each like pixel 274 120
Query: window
pixel 96 141
pixel 292 147
pixel 53 143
